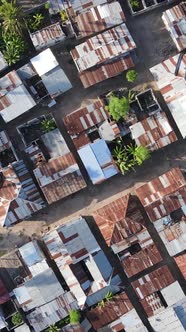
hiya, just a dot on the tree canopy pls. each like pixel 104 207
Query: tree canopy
pixel 118 107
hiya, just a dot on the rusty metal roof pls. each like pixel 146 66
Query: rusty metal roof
pixel 164 194
pixel 103 47
pixel 19 197
pixel 121 223
pixel 153 282
pixel 173 87
pixel 117 220
pixel 47 36
pixel 181 262
pixel 111 311
pixel 153 132
pixel 97 19
pixel 85 117
pixel 175 22
pixel 105 71
pixel 59 177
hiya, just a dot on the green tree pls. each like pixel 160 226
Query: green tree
pixel 48 125
pixel 53 328
pixel 17 319
pixel 118 108
pixel 11 16
pixel 64 16
pixel 131 76
pixel 122 159
pixel 140 153
pixel 74 316
pixel 14 48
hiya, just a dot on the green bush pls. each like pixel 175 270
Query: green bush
pixel 17 319
pixel 11 17
pixel 131 76
pixel 64 16
pixel 134 3
pixel 139 153
pixel 53 328
pixel 13 49
pixel 74 316
pixel 35 23
pixel 118 108
pixel 48 125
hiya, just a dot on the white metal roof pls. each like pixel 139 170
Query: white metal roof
pixel 44 62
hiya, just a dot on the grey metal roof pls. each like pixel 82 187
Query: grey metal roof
pixel 56 82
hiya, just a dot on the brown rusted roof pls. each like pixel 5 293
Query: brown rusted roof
pixel 85 117
pixel 140 261
pixel 99 18
pixel 164 194
pixel 118 220
pixel 153 132
pixel 59 177
pixel 105 71
pixel 153 282
pixel 181 262
pixel 118 306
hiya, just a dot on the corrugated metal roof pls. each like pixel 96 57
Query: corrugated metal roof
pixel 121 223
pixel 98 161
pixel 85 118
pixel 153 282
pixel 173 87
pixel 99 18
pixel 52 75
pixel 82 5
pixel 172 235
pixel 181 262
pixel 44 62
pixel 14 97
pixel 19 197
pixel 33 258
pixel 111 311
pixel 73 245
pixel 153 132
pixel 39 290
pixel 103 47
pixel 47 36
pixel 111 219
pixel 59 177
pixel 105 71
pixel 164 194
pixel 166 321
pixel 175 22
pixel 50 313
pixel 180 310
pixel 22 328
pixel 55 143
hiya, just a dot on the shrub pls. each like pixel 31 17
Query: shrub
pixel 74 316
pixel 118 107
pixel 14 48
pixel 53 328
pixel 109 296
pixel 17 319
pixel 139 153
pixel 131 76
pixel 64 16
pixel 35 23
pixel 134 3
pixel 48 125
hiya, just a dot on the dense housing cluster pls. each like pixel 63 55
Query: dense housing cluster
pixel 121 267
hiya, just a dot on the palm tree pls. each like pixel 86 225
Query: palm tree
pixel 12 17
pixel 53 328
pixel 140 153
